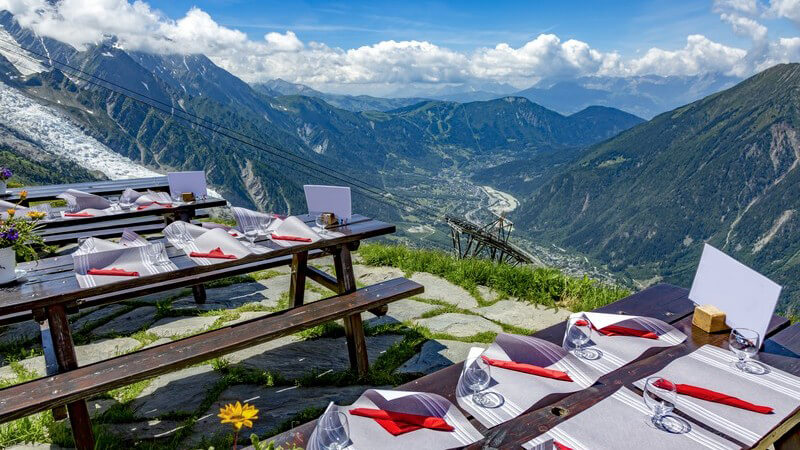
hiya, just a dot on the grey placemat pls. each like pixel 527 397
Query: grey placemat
pixel 515 392
pixel 622 421
pixel 711 367
pixel 613 352
pixel 133 259
pixel 205 240
pixel 367 434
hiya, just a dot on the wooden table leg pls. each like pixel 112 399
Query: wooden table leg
pixel 297 288
pixel 68 360
pixel 353 327
pixel 50 363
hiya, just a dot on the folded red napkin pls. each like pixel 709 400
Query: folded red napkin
pixel 165 205
pixel 560 446
pixel 528 368
pixel 712 396
pixel 290 238
pixel 115 272
pixel 616 330
pixel 81 214
pixel 399 423
pixel 216 253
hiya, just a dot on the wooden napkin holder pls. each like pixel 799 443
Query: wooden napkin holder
pixel 709 318
pixel 187 197
pixel 329 219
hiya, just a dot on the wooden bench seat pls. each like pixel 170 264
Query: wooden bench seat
pixel 77 384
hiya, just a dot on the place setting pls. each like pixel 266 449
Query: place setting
pixel 625 420
pixel 610 341
pixel 83 204
pixel 515 373
pixel 207 246
pixel 389 419
pixel 100 262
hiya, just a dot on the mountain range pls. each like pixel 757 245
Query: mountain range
pixel 722 170
pixel 644 96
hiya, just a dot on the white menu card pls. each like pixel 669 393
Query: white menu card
pixel 335 199
pixel 746 297
pixel 194 182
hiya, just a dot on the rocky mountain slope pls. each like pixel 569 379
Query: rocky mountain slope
pixel 722 170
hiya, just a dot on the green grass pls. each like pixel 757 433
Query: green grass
pixel 540 285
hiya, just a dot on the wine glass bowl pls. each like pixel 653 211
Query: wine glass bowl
pixel 744 343
pixel 251 234
pixel 579 333
pixel 477 377
pixel 659 396
pixel 334 431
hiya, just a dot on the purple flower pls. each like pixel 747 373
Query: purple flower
pixel 10 235
pixel 5 173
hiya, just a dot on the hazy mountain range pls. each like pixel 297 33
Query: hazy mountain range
pixel 644 96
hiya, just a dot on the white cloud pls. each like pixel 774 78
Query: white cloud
pixel 789 9
pixel 391 65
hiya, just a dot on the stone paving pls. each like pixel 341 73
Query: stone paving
pixel 158 409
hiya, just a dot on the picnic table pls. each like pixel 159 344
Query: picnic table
pixel 52 291
pixel 103 188
pixel 664 302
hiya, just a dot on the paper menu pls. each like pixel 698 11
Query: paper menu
pixel 746 297
pixel 194 182
pixel 335 199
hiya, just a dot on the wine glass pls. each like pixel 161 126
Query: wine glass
pixel 744 343
pixel 251 234
pixel 177 199
pixel 579 332
pixel 263 225
pixel 155 255
pixel 334 431
pixel 319 219
pixel 125 203
pixel 477 376
pixel 659 396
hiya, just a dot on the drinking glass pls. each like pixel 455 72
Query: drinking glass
pixel 251 234
pixel 156 255
pixel 125 203
pixel 334 431
pixel 181 232
pixel 177 199
pixel 579 332
pixel 263 225
pixel 477 376
pixel 659 396
pixel 320 221
pixel 744 343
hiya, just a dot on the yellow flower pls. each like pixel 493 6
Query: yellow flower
pixel 11 212
pixel 36 214
pixel 23 195
pixel 238 415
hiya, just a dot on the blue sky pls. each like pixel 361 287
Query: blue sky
pixel 625 26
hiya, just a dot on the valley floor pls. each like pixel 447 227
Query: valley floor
pixel 289 380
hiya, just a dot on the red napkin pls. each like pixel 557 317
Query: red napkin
pixel 216 253
pixel 560 446
pixel 400 423
pixel 165 205
pixel 290 238
pixel 712 396
pixel 115 272
pixel 82 214
pixel 616 330
pixel 528 368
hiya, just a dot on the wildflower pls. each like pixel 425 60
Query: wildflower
pixel 11 212
pixel 23 195
pixel 11 235
pixel 5 173
pixel 239 415
pixel 36 214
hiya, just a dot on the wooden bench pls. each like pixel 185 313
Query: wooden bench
pixel 72 387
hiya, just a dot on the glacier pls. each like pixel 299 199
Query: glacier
pixel 57 135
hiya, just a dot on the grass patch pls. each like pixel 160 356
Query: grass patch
pixel 540 285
